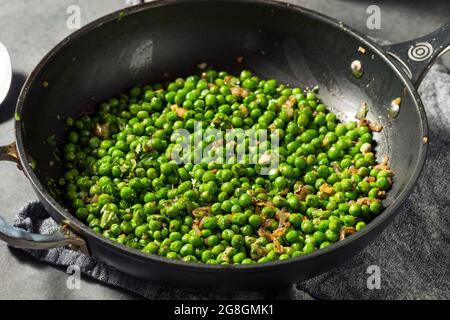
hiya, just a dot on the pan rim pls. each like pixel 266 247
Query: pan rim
pixel 138 255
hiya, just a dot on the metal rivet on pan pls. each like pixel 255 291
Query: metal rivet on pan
pixel 45 84
pixel 394 108
pixel 425 140
pixel 357 69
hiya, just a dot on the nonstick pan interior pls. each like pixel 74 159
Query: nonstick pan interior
pixel 168 39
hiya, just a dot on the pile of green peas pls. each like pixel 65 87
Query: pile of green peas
pixel 120 180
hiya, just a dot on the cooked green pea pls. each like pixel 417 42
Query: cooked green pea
pixel 126 193
pixel 376 207
pixel 255 220
pixel 307 226
pixel 210 223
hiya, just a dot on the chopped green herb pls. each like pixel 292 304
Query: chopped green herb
pixel 52 140
pixel 362 111
pixel 56 156
pixel 33 164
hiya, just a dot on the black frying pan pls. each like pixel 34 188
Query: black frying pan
pixel 294 45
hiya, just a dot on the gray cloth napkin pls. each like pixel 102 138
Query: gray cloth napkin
pixel 412 254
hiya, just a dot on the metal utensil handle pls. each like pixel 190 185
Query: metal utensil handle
pixel 19 238
pixel 417 56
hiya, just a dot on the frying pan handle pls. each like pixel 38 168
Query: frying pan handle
pixel 19 238
pixel 417 56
